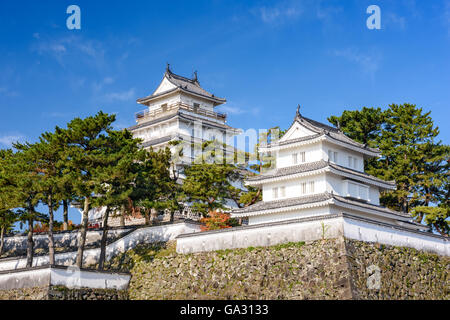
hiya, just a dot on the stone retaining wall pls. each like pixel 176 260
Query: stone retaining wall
pixel 323 269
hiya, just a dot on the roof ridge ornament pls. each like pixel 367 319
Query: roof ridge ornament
pixel 195 76
pixel 168 68
pixel 338 125
pixel 298 115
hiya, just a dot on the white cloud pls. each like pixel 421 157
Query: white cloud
pixel 368 62
pixel 279 13
pixel 121 96
pixel 7 140
pixel 231 110
pixel 98 86
pixel 74 47
pixel 392 19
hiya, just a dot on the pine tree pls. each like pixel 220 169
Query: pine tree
pixel 411 155
pixel 85 140
pixel 115 178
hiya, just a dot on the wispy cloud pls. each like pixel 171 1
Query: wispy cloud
pixel 121 96
pixel 8 140
pixel 99 85
pixel 369 63
pixel 66 47
pixel 281 12
pixel 391 19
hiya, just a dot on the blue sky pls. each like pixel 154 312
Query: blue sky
pixel 265 57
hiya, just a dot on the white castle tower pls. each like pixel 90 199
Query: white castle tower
pixel 181 110
pixel 320 171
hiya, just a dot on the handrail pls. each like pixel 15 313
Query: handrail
pixel 176 106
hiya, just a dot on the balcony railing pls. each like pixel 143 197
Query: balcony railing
pixel 153 114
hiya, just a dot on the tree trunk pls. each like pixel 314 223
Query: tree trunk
pixel 153 215
pixel 30 243
pixel 172 215
pixel 147 217
pixel 101 261
pixel 2 239
pixel 122 216
pixel 83 231
pixel 66 214
pixel 51 243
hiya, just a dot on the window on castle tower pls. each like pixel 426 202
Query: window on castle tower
pixel 164 107
pixel 332 156
pixel 311 187
pixel 275 193
pixel 282 192
pixel 303 187
pixel 294 158
pixel 303 157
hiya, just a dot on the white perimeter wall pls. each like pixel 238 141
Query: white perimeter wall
pixel 298 230
pixel 70 278
pixel 139 236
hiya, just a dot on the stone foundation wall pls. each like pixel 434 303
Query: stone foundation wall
pixel 63 293
pixel 403 273
pixel 37 293
pixel 323 269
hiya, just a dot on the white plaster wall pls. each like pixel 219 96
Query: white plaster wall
pixel 364 231
pixel 343 155
pixel 245 237
pixel 295 231
pixel 374 195
pixel 73 278
pixel 293 187
pixel 70 278
pixel 171 99
pixel 276 217
pixel 63 239
pixel 25 279
pixel 297 131
pixel 312 153
pixel 90 256
pixel 204 104
pixel 164 86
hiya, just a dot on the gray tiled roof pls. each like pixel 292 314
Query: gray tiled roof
pixel 154 142
pixel 185 84
pixel 311 166
pixel 305 167
pixel 360 174
pixel 322 129
pixel 320 197
pixel 268 205
pixel 370 206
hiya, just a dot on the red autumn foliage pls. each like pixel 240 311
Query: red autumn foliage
pixel 216 220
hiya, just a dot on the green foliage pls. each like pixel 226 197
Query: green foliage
pixel 411 155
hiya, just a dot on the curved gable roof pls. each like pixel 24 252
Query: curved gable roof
pixel 190 86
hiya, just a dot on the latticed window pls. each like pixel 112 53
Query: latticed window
pixel 303 157
pixel 303 187
pixel 295 158
pixel 275 193
pixel 311 186
pixel 282 192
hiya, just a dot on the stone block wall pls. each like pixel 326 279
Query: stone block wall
pixel 323 269
pixel 63 293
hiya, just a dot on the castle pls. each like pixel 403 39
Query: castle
pixel 318 171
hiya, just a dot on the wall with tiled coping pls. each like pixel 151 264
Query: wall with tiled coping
pixel 310 229
pixel 140 235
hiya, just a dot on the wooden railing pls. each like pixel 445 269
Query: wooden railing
pixel 152 114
